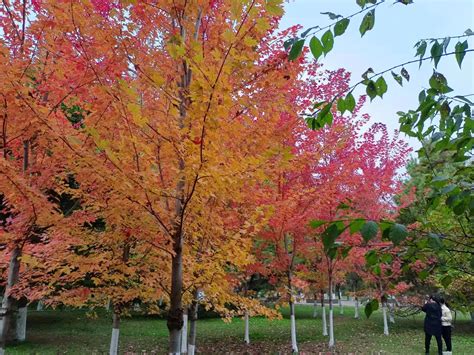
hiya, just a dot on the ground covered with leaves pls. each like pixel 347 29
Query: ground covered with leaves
pixel 73 332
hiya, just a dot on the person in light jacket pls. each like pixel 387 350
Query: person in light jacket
pixel 446 319
pixel 432 325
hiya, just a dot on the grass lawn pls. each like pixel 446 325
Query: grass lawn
pixel 72 332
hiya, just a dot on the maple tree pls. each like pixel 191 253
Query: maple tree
pixel 28 169
pixel 360 181
pixel 166 126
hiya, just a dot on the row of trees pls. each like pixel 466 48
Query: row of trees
pixel 154 151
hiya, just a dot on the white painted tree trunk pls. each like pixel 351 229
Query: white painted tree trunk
pixel 39 306
pixel 294 344
pixel 331 328
pixel 325 325
pixel 341 307
pixel 246 334
pixel 192 326
pixel 356 311
pixel 114 341
pixel 21 323
pixel 315 308
pixel 107 306
pixel 184 333
pixel 385 322
pixel 331 316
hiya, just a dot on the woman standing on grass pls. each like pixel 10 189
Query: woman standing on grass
pixel 432 325
pixel 446 319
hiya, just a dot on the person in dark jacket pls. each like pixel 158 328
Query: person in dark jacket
pixel 432 325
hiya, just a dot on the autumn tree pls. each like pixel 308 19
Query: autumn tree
pixel 173 91
pixel 27 167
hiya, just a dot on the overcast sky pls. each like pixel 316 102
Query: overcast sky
pixel 397 29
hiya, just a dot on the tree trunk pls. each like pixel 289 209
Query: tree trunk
pixel 8 302
pixel 356 311
pixel 294 344
pixel 391 313
pixel 192 326
pixel 39 306
pixel 325 326
pixel 21 323
pixel 246 331
pixel 331 316
pixel 184 333
pixel 175 314
pixel 385 322
pixel 315 305
pixel 114 341
pixel 341 308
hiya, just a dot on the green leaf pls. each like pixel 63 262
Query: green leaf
pixel 405 74
pixel 371 307
pixel 421 49
pixel 305 33
pixel 371 258
pixel 350 102
pixel 398 233
pixel 447 189
pixel 423 274
pixel 386 258
pixel 381 86
pixel 367 22
pixel 332 252
pixel 330 235
pixel 341 105
pixel 316 223
pixel 436 52
pixel 460 50
pixel 365 75
pixel 459 209
pixel 296 49
pixel 434 241
pixel 371 90
pixel 288 43
pixel 341 27
pixel 438 81
pixel 444 110
pixel 345 251
pixel 331 15
pixel 328 41
pixel 397 78
pixel 446 281
pixel 316 47
pixel 325 115
pixel 356 225
pixel 369 230
pixel 361 3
